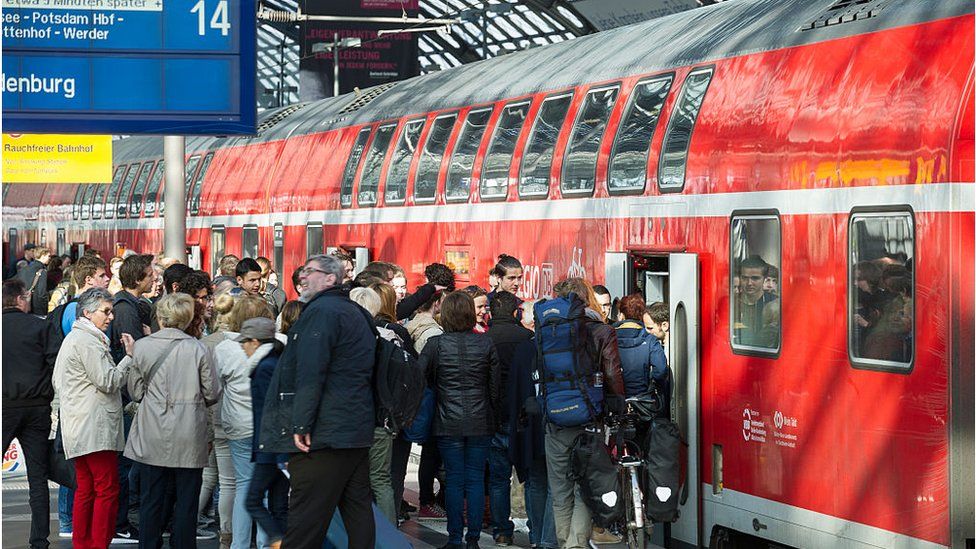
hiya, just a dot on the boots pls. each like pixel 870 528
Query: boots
pixel 225 540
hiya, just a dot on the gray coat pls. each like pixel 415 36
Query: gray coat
pixel 170 428
pixel 89 385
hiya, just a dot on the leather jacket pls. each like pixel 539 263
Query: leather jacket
pixel 463 369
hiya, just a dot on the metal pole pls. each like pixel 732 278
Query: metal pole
pixel 174 222
pixel 335 65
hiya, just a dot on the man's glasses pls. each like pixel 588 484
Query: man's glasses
pixel 309 270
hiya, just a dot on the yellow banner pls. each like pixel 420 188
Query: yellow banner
pixel 30 158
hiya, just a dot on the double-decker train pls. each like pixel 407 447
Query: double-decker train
pixel 795 178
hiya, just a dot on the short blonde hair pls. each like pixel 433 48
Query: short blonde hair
pixel 367 299
pixel 247 307
pixel 175 311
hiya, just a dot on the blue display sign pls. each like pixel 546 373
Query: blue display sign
pixel 172 67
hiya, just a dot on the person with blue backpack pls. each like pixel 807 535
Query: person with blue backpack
pixel 581 381
pixel 642 358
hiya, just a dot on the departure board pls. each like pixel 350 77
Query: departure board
pixel 129 66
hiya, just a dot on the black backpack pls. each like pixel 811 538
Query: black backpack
pixel 398 382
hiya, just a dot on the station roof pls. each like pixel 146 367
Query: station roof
pixel 511 26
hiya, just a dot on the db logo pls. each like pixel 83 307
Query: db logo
pixel 778 419
pixel 746 424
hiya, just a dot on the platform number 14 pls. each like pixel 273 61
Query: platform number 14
pixel 217 21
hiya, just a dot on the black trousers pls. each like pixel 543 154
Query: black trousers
pixel 321 481
pixel 273 519
pixel 430 464
pixel 153 503
pixel 31 426
pixel 398 469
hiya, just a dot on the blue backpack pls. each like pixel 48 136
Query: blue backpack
pixel 572 388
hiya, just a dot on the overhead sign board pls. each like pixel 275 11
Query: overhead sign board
pixel 29 158
pixel 129 66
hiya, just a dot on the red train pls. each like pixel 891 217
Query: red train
pixel 831 140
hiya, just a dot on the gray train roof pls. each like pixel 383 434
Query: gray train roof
pixel 720 31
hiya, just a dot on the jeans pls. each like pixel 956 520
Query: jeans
pixel 538 507
pixel 154 503
pixel 380 456
pixel 227 482
pixel 240 452
pixel 569 510
pixel 30 425
pixel 125 465
pixel 465 459
pixel 500 486
pixel 273 519
pixel 96 499
pixel 66 503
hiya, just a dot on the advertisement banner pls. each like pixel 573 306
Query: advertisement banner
pixel 32 158
pixel 378 60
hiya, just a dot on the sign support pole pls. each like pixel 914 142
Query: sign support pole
pixel 174 222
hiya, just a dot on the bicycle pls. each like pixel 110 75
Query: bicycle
pixel 627 455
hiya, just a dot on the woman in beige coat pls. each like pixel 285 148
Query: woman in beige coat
pixel 89 384
pixel 174 381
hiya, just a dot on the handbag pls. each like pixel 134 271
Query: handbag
pixel 60 469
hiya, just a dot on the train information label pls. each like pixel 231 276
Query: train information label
pixel 129 66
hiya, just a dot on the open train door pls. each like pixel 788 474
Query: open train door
pixel 683 297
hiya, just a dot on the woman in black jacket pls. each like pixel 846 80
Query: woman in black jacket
pixel 462 367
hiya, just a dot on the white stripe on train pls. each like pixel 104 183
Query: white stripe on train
pixel 934 197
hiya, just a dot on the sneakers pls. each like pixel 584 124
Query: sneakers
pixel 601 536
pixel 65 534
pixel 407 506
pixel 205 534
pixel 502 540
pixel 205 521
pixel 127 535
pixel 432 512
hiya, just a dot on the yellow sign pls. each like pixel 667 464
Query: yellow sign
pixel 30 158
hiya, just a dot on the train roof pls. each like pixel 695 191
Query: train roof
pixel 724 30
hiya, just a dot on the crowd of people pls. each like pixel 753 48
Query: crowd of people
pixel 173 397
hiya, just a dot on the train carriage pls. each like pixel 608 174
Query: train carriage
pixel 666 157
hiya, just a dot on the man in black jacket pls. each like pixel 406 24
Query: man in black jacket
pixel 34 277
pixel 507 333
pixel 28 362
pixel 327 366
pixel 133 316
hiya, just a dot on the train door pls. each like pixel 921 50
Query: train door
pixel 673 278
pixel 683 296
pixel 61 242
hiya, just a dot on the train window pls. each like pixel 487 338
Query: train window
pixel 313 239
pixel 87 200
pixel 153 193
pixel 537 158
pixel 881 285
pixel 121 202
pixel 628 160
pixel 217 246
pixel 459 173
pixel 429 167
pixel 191 170
pixel 754 279
pixel 194 197
pixel 79 200
pixel 349 174
pixel 579 166
pixel 249 241
pixel 674 152
pixel 370 179
pixel 396 177
pixel 103 201
pixel 139 192
pixel 498 159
